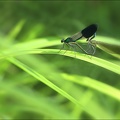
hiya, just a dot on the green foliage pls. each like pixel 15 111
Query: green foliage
pixel 38 80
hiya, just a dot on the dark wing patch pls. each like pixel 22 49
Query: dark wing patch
pixel 89 31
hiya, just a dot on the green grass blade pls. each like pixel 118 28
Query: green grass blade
pixel 33 102
pixel 42 79
pixel 94 60
pixel 110 48
pixel 48 83
pixel 94 84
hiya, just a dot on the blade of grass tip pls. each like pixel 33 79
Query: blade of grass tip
pixel 16 30
pixel 32 33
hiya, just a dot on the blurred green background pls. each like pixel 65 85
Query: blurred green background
pixel 60 17
pixel 22 95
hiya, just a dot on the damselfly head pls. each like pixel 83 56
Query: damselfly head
pixel 62 40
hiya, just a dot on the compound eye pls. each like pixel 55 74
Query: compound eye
pixel 62 40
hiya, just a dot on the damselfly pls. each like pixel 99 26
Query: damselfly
pixel 88 32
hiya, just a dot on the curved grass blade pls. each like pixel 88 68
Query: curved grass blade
pixel 97 61
pixel 110 48
pixel 41 78
pixel 94 84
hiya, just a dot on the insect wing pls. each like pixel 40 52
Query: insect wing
pixel 76 36
pixel 89 31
